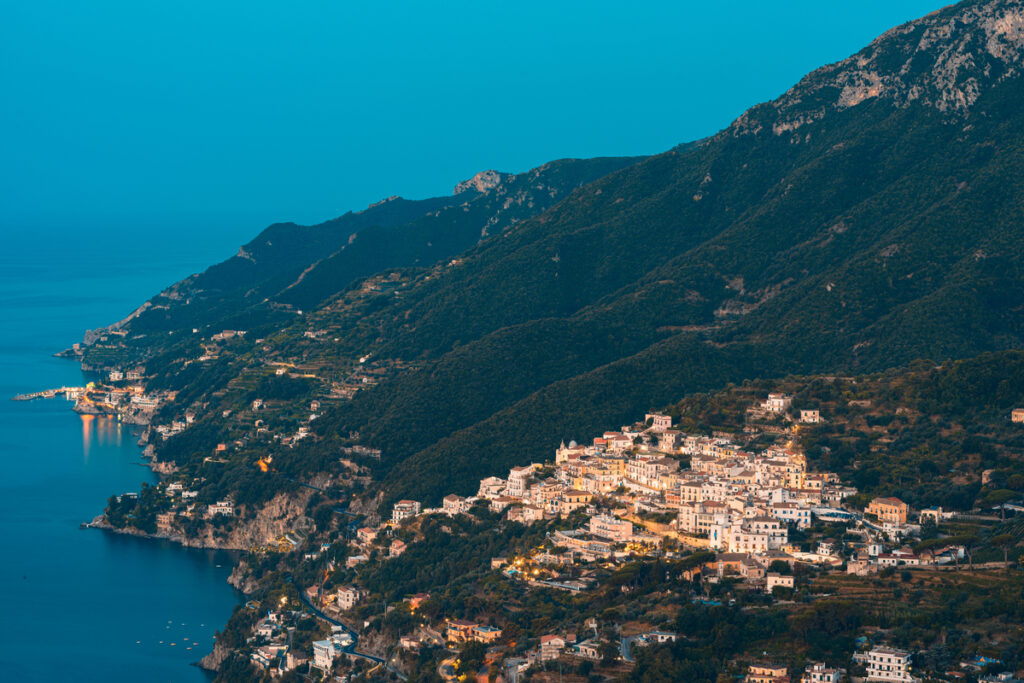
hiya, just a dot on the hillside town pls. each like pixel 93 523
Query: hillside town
pixel 747 507
pixel 637 496
pixel 651 491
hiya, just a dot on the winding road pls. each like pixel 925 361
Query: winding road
pixel 350 648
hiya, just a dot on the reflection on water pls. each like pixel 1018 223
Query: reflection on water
pixel 100 430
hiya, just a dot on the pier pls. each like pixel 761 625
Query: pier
pixel 70 393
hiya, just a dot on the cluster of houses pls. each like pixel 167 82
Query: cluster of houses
pixel 131 402
pixel 635 494
pixel 882 664
pixel 271 651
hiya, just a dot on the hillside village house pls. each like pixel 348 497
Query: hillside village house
pixel 819 673
pixel 612 528
pixel 462 631
pixel 348 597
pixel 491 488
pixel 221 507
pixel 892 510
pixel 767 673
pixel 571 501
pixel 518 481
pixel 1017 415
pixel 405 509
pixel 886 664
pixel 777 403
pixel 453 505
pixel 551 647
pixel 326 651
pixel 773 579
pixel 811 417
pixel 659 422
pixel 524 514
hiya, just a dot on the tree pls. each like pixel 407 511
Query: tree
pixel 1004 541
pixel 997 498
pixel 471 657
pixel 609 653
pixel 969 543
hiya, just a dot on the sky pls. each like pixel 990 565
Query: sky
pixel 210 120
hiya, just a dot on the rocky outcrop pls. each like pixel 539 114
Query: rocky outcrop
pixel 482 182
pixel 283 513
pixel 944 60
pixel 241 578
pixel 214 660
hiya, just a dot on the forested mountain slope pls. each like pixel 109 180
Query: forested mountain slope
pixel 288 267
pixel 822 231
pixel 870 216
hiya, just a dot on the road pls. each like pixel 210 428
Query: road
pixel 446 670
pixel 351 648
pixel 625 646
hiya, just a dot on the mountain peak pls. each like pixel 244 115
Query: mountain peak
pixel 482 182
pixel 944 60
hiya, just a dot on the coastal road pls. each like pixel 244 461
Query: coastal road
pixel 350 649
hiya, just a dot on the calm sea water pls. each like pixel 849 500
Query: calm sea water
pixel 86 605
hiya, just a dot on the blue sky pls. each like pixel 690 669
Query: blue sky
pixel 217 118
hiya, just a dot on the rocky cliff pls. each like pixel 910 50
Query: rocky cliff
pixel 944 60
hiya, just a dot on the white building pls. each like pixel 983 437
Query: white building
pixel 550 647
pixel 777 403
pixel 326 651
pixel 405 509
pixel 774 579
pixel 791 513
pixel 819 673
pixel 453 505
pixel 348 597
pixel 491 488
pixel 221 507
pixel 519 480
pixel 606 526
pixel 890 665
pixel 659 422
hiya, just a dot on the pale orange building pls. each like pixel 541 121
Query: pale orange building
pixel 767 673
pixel 891 510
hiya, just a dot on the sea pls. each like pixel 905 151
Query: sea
pixel 86 604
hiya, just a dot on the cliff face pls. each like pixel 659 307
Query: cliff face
pixel 214 660
pixel 284 513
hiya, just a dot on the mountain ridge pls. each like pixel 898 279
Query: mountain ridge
pixel 886 229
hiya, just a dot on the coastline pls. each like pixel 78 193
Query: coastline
pixel 211 661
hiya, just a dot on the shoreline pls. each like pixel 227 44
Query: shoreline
pixel 211 661
pixel 139 425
